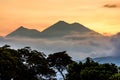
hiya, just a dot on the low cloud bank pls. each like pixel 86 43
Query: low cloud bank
pixel 79 46
pixel 116 43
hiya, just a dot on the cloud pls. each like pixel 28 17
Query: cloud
pixel 79 46
pixel 111 5
pixel 116 44
pixel 83 36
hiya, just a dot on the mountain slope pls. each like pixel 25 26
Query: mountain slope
pixel 24 32
pixel 62 28
pixel 58 30
pixel 109 59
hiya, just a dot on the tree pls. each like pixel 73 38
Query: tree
pixel 24 64
pixel 89 63
pixel 28 64
pixel 115 77
pixel 59 61
pixel 9 63
pixel 74 70
pixel 91 70
pixel 36 63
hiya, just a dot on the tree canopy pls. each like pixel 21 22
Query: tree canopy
pixel 24 64
pixel 59 61
pixel 28 64
pixel 90 70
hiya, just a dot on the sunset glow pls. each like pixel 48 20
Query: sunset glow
pixel 100 15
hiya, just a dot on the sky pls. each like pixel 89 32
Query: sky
pixel 100 15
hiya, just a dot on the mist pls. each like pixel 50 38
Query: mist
pixel 116 43
pixel 78 46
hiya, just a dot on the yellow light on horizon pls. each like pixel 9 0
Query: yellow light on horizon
pixel 40 14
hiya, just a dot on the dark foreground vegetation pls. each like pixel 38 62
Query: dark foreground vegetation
pixel 28 64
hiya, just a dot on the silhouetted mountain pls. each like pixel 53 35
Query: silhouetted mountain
pixel 58 30
pixel 109 59
pixel 62 28
pixel 24 32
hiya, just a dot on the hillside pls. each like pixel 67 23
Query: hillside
pixel 57 30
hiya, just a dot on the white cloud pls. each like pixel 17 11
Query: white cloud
pixel 90 46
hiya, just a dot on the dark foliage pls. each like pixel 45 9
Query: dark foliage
pixel 59 61
pixel 28 64
pixel 90 70
pixel 24 64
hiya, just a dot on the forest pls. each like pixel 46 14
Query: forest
pixel 28 64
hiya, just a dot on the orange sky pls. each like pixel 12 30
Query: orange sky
pixel 100 15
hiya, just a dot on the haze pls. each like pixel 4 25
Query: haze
pixel 100 15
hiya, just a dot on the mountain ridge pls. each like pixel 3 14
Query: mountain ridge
pixel 23 32
pixel 59 29
pixel 108 59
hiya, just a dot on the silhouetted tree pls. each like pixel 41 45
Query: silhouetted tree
pixel 90 70
pixel 59 61
pixel 24 64
pixel 28 64
pixel 74 70
pixel 36 63
pixel 9 63
pixel 115 77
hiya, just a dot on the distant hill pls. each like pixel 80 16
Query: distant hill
pixel 24 32
pixel 57 30
pixel 62 28
pixel 109 59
